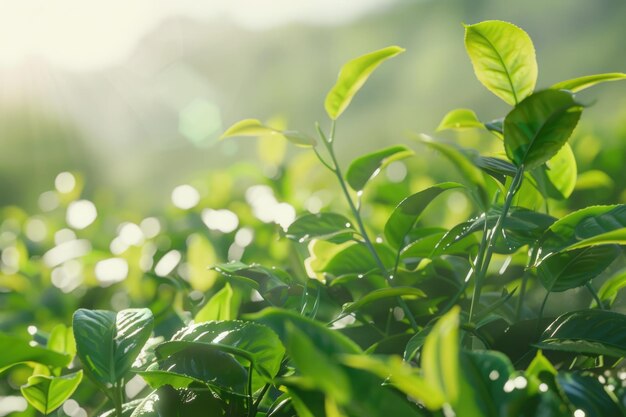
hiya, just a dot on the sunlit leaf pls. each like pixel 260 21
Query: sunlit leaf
pixel 440 356
pixel 219 307
pixel 47 393
pixel 401 375
pixel 357 258
pixel 352 77
pixel 16 350
pixel 408 211
pixel 609 290
pixel 587 394
pixel 574 268
pixel 557 178
pixel 331 342
pixel 315 364
pixel 254 128
pixel 590 332
pixel 578 84
pixel 380 294
pixel 503 57
pixel 538 127
pixel 329 226
pixel 107 343
pixel 459 119
pixel 366 167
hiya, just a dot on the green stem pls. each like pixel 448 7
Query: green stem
pixel 357 216
pixel 256 404
pixel 531 261
pixel 493 237
pixel 250 399
pixel 595 295
pixel 119 398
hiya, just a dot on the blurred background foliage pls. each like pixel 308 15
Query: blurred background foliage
pixel 111 169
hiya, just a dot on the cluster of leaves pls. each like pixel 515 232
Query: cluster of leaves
pixel 421 321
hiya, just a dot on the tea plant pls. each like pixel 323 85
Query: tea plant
pixel 419 321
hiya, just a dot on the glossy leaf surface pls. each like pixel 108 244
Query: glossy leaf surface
pixel 352 77
pixel 503 57
pixel 366 167
pixel 47 393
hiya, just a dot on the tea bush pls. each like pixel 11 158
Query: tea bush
pixel 354 312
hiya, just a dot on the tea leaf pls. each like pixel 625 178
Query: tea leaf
pixel 537 128
pixel 366 167
pixel 578 84
pixel 503 57
pixel 352 77
pixel 459 119
pixel 47 393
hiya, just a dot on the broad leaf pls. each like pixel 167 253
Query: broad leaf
pixel 571 269
pixel 578 84
pixel 401 375
pixel 328 226
pixel 254 128
pixel 169 402
pixel 329 341
pixel 352 77
pixel 473 176
pixel 589 332
pixel 271 283
pixel 219 307
pixel 503 57
pixel 315 364
pixel 366 167
pixel 16 350
pixel 380 294
pixel 586 393
pixel 460 119
pixel 196 363
pixel 557 178
pixel 253 342
pixel 107 342
pixel 47 393
pixel 608 291
pixel 582 224
pixel 357 258
pixel 617 236
pixel 538 127
pixel 248 127
pixel 407 213
pixel 440 356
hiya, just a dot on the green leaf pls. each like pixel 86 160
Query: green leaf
pixel 474 177
pixel 407 213
pixel 587 394
pixel 16 350
pixel 329 341
pixel 108 343
pixel 400 375
pixel 169 402
pixel 539 365
pixel 328 226
pixel 608 291
pixel 219 307
pixel 380 294
pixel 503 57
pixel 590 332
pixel 356 258
pixel 254 128
pixel 315 364
pixel 47 393
pixel 538 127
pixel 571 269
pixel 352 77
pixel 254 342
pixel 557 178
pixel 578 84
pixel 593 179
pixel 617 236
pixel 196 363
pixel 582 224
pixel 366 167
pixel 440 356
pixel 249 127
pixel 272 283
pixel 62 340
pixel 460 119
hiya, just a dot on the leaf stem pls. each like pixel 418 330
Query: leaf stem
pixel 250 399
pixel 118 396
pixel 256 404
pixel 328 142
pixel 595 295
pixel 494 233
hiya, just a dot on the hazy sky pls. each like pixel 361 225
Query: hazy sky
pixel 80 35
